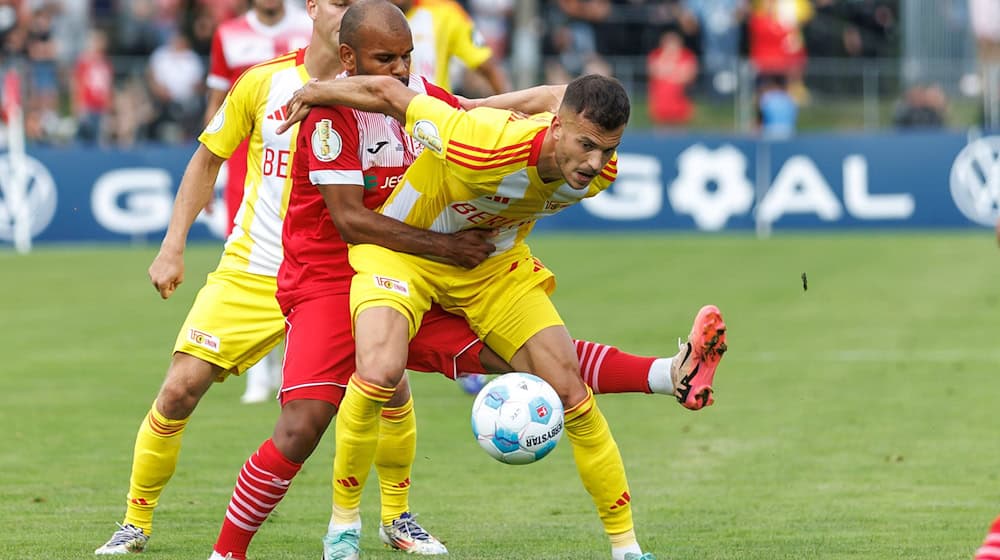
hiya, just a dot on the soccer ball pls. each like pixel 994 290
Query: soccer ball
pixel 517 418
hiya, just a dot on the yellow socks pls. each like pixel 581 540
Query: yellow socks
pixel 157 447
pixel 397 448
pixel 600 465
pixel 357 437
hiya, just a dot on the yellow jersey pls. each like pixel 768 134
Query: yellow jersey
pixel 479 169
pixel 255 107
pixel 441 29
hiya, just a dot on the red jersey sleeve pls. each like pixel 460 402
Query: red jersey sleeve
pixel 218 70
pixel 440 93
pixel 329 140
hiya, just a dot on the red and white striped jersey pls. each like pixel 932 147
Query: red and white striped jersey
pixel 244 41
pixel 339 146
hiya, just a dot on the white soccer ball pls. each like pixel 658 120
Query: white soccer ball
pixel 517 418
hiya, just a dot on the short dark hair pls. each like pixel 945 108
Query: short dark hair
pixel 357 15
pixel 599 99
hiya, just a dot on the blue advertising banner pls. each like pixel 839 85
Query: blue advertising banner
pixel 665 182
pixel 712 183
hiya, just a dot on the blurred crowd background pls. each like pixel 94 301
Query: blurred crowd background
pixel 122 72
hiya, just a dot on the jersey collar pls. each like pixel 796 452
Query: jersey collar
pixel 536 147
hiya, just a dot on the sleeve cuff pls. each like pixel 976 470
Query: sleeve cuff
pixel 217 82
pixel 335 177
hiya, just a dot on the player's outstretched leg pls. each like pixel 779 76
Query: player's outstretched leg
pixel 991 545
pixel 694 366
pixel 157 448
pixel 607 369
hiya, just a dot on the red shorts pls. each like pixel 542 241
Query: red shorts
pixel 319 348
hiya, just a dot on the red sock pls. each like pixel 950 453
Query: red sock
pixel 607 369
pixel 262 483
pixel 991 546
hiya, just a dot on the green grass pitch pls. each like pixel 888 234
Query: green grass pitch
pixel 856 420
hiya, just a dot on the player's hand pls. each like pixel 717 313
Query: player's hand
pixel 471 247
pixel 299 105
pixel 468 104
pixel 167 272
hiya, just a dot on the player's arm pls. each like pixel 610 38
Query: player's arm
pixel 465 42
pixel 383 94
pixel 493 73
pixel 374 94
pixel 196 190
pixel 357 224
pixel 538 99
pixel 328 142
pixel 230 125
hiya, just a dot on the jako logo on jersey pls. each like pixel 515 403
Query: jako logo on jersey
pixel 218 120
pixel 326 142
pixel 975 181
pixel 392 285
pixel 204 339
pixel 426 133
pixel 378 146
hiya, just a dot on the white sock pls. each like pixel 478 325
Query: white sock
pixel 659 376
pixel 339 528
pixel 619 553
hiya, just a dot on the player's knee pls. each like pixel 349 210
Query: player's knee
pixel 573 395
pixel 187 381
pixel 564 376
pixel 177 400
pixel 300 428
pixel 400 397
pixel 381 368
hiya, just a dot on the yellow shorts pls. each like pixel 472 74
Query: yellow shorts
pixel 234 321
pixel 505 299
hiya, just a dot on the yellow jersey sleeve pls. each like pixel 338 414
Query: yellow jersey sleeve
pixel 234 120
pixel 477 146
pixel 604 179
pixel 464 41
